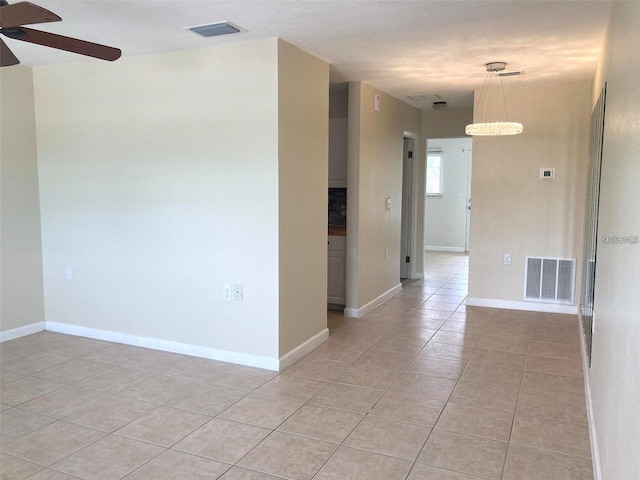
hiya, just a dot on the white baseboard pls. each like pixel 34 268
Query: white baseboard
pixel 595 453
pixel 166 345
pixel 530 306
pixel 21 331
pixel 436 248
pixel 303 349
pixel 362 311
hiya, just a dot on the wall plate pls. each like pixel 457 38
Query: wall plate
pixel 547 173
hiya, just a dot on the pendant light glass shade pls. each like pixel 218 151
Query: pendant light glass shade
pixel 493 128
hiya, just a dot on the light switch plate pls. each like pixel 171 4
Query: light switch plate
pixel 227 292
pixel 238 294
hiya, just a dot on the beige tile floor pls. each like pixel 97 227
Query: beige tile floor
pixel 421 388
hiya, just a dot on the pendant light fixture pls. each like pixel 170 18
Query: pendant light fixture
pixel 493 128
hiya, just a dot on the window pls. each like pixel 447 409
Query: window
pixel 434 173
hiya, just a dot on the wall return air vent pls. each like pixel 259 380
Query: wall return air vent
pixel 549 280
pixel 215 29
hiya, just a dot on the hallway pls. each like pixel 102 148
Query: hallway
pixel 421 388
pixel 504 389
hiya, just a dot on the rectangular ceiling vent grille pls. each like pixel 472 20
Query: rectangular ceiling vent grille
pixel 425 98
pixel 549 280
pixel 215 29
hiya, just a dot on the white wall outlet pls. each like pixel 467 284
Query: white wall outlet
pixel 227 294
pixel 386 253
pixel 238 296
pixel 449 225
pixel 387 203
pixel 507 259
pixel 376 102
pixel 68 272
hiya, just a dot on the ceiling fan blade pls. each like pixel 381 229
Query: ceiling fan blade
pixel 25 13
pixel 68 44
pixel 7 57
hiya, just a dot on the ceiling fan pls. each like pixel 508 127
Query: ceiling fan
pixel 12 17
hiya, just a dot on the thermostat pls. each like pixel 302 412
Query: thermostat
pixel 547 173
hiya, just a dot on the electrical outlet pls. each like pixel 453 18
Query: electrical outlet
pixel 386 253
pixel 227 292
pixel 237 292
pixel 507 259
pixel 68 272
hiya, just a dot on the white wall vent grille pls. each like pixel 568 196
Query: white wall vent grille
pixel 549 280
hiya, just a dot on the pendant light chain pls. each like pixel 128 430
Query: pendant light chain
pixel 486 98
pixel 504 100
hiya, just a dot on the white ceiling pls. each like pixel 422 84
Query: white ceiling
pixel 405 48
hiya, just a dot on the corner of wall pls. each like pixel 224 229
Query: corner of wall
pixel 303 139
pixel 375 155
pixel 22 293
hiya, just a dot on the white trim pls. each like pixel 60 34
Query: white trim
pixel 303 349
pixel 530 306
pixel 435 248
pixel 366 308
pixel 165 345
pixel 595 453
pixel 21 331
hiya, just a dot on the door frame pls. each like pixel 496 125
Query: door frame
pixel 468 220
pixel 407 229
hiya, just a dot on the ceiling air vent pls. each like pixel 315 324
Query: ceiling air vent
pixel 215 29
pixel 510 74
pixel 425 98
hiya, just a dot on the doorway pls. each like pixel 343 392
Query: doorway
pixel 448 194
pixel 406 235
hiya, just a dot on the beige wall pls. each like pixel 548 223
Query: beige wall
pixel 374 174
pixel 21 297
pixel 615 365
pixel 515 212
pixel 159 184
pixel 303 139
pixel 448 123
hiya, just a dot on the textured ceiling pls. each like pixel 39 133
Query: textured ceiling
pixel 405 48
